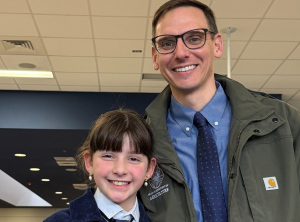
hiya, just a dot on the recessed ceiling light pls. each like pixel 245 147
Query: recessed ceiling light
pixel 68 203
pixel 25 74
pixel 27 65
pixel 46 180
pixel 71 169
pixel 64 198
pixel 20 154
pixel 35 169
pixel 58 192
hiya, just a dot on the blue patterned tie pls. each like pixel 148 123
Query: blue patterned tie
pixel 209 175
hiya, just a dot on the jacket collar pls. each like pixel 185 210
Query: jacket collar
pixel 84 208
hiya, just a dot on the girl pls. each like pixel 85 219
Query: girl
pixel 117 155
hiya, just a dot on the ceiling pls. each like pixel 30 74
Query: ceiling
pixel 88 44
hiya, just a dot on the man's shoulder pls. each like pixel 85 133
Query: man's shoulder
pixel 61 215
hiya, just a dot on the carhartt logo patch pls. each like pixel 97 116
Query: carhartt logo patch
pixel 271 183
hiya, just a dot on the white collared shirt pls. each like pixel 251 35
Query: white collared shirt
pixel 113 210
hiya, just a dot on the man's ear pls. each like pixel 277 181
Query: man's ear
pixel 154 58
pixel 218 45
pixel 88 162
pixel 151 168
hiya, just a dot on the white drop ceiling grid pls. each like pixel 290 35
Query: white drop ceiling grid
pixel 88 44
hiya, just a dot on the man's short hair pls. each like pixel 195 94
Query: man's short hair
pixel 172 4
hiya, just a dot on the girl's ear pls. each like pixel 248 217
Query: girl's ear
pixel 88 162
pixel 151 168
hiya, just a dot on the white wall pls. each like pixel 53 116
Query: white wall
pixel 25 214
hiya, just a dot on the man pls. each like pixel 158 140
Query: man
pixel 256 138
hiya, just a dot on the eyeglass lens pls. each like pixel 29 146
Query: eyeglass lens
pixel 192 39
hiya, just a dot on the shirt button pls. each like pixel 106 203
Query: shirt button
pixel 216 123
pixel 187 129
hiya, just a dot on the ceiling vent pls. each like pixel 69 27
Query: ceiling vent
pixel 18 46
pixel 65 161
pixel 80 186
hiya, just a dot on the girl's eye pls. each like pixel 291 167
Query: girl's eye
pixel 134 159
pixel 107 156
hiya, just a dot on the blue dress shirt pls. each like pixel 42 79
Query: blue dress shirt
pixel 184 137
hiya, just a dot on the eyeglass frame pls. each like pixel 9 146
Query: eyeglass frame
pixel 181 36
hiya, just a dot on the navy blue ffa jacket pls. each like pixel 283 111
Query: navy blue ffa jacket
pixel 85 209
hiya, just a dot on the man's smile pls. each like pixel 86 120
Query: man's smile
pixel 184 69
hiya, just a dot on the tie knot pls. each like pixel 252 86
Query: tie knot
pixel 199 120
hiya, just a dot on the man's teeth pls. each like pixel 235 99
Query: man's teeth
pixel 185 68
pixel 119 183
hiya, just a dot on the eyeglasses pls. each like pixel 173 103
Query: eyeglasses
pixel 193 39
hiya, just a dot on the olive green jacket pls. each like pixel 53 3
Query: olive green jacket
pixel 264 144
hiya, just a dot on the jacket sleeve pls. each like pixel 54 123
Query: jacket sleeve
pixel 294 119
pixel 59 216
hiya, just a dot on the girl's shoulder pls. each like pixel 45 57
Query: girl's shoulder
pixel 59 216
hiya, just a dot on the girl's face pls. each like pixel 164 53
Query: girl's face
pixel 119 175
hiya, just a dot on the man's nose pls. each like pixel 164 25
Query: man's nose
pixel 181 50
pixel 120 167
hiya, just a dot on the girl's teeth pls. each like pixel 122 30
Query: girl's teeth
pixel 119 183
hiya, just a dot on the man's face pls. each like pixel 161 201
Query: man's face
pixel 198 63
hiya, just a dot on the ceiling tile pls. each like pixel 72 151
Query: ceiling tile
pixel 256 67
pixel 278 30
pixel 235 49
pixel 39 87
pixel 120 65
pixel 77 79
pixel 69 47
pixel 295 104
pixel 268 50
pixel 80 88
pixel 220 66
pixel 2 66
pixel 8 87
pixel 148 52
pixel 149 29
pixel 155 4
pixel 59 7
pixel 13 61
pixel 119 48
pixel 35 81
pixel 251 81
pixel 245 28
pixel 120 80
pixel 283 82
pixel 296 53
pixel 286 93
pixel 17 25
pixel 289 67
pixel 119 89
pixel 6 80
pixel 64 26
pixel 297 96
pixel 240 9
pixel 73 64
pixel 154 83
pixel 284 9
pixel 148 67
pixel 125 8
pixel 146 89
pixel 14 6
pixel 119 27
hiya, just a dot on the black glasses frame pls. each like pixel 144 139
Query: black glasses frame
pixel 181 36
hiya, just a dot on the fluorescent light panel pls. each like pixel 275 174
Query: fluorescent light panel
pixel 25 74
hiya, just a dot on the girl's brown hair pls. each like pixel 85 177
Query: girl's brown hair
pixel 108 131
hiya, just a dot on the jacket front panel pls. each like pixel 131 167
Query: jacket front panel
pixel 263 143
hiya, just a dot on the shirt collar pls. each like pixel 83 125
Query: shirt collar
pixel 113 210
pixel 213 111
